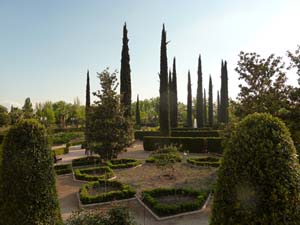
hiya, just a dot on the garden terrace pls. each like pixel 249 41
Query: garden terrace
pixel 93 174
pixel 104 191
pixel 171 201
pixel 123 163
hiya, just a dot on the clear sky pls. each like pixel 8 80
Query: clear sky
pixel 46 47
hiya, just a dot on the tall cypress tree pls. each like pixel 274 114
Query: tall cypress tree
pixel 199 107
pixel 218 107
pixel 174 98
pixel 137 112
pixel 224 93
pixel 87 110
pixel 125 86
pixel 189 102
pixel 210 104
pixel 204 108
pixel 170 89
pixel 164 115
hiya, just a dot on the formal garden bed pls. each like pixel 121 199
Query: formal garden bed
pixel 87 161
pixel 171 201
pixel 63 169
pixel 209 161
pixel 104 191
pixel 94 174
pixel 123 163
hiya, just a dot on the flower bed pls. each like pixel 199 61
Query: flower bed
pixel 87 161
pixel 94 174
pixel 171 201
pixel 63 169
pixel 205 161
pixel 119 191
pixel 123 163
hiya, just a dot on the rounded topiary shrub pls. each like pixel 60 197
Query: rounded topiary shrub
pixel 258 180
pixel 29 193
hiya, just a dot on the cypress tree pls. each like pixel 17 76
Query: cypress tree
pixel 125 86
pixel 210 103
pixel 29 192
pixel 189 102
pixel 170 89
pixel 218 107
pixel 137 112
pixel 199 107
pixel 164 115
pixel 174 99
pixel 224 93
pixel 205 109
pixel 87 110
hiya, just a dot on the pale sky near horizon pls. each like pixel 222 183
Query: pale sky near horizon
pixel 46 47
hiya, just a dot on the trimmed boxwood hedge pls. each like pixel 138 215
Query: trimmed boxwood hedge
pixel 122 163
pixel 124 192
pixel 191 144
pixel 83 174
pixel 179 133
pixel 162 209
pixel 205 161
pixel 87 161
pixel 63 169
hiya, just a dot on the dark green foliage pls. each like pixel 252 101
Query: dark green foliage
pixel 174 103
pixel 258 181
pixel 93 174
pixel 29 191
pixel 4 117
pixel 210 104
pixel 27 109
pixel 189 102
pixel 124 192
pixel 205 161
pixel 215 145
pixel 63 169
pixel 87 111
pixel 165 155
pixel 224 101
pixel 111 131
pixel 87 161
pixel 218 108
pixel 199 107
pixel 125 79
pixel 151 199
pixel 205 109
pixel 164 112
pixel 115 216
pixel 65 137
pixel 123 163
pixel 137 112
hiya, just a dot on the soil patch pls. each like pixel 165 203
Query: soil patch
pixel 174 199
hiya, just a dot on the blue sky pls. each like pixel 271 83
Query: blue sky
pixel 46 47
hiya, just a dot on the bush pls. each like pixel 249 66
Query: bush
pixel 87 161
pixel 60 151
pixel 65 137
pixel 122 163
pixel 258 180
pixel 205 161
pixel 215 145
pixel 87 173
pixel 63 169
pixel 164 209
pixel 29 191
pixel 124 192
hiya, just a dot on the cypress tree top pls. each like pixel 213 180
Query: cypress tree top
pixel 199 107
pixel 189 102
pixel 87 96
pixel 210 103
pixel 174 96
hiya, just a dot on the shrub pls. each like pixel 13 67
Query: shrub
pixel 258 181
pixel 123 192
pixel 151 199
pixel 65 137
pixel 63 169
pixel 87 161
pixel 215 145
pixel 205 161
pixel 28 190
pixel 87 173
pixel 122 163
pixel 60 151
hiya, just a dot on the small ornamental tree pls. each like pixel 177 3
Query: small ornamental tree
pixel 109 127
pixel 28 193
pixel 258 181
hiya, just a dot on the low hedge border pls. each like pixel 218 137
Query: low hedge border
pixel 63 169
pixel 87 161
pixel 205 161
pixel 125 192
pixel 152 159
pixel 80 174
pixel 60 151
pixel 191 144
pixel 161 209
pixel 123 163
